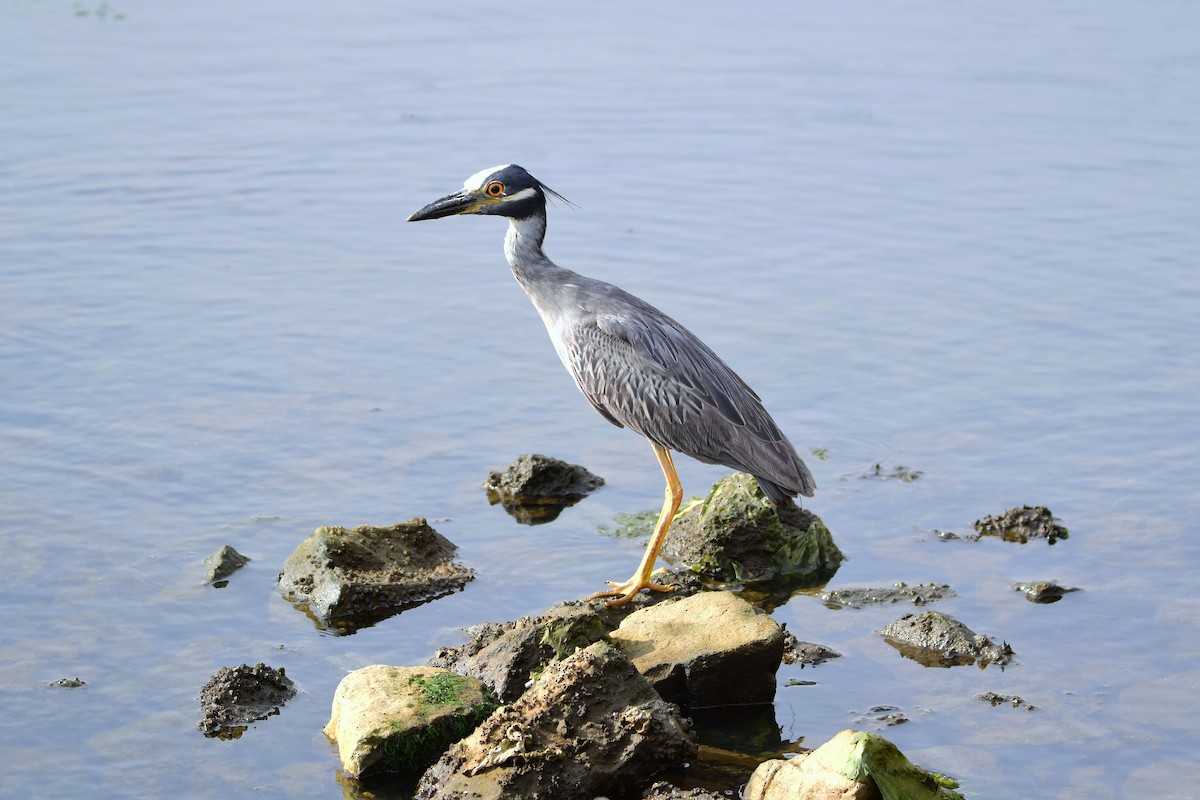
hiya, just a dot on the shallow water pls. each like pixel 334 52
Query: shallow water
pixel 956 237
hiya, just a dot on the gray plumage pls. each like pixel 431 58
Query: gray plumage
pixel 638 367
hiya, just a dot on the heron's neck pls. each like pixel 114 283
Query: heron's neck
pixel 523 249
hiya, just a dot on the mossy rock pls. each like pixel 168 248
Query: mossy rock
pixel 736 534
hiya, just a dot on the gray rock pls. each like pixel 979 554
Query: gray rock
pixel 1022 524
pixel 235 697
pixel 918 595
pixel 223 562
pixel 362 575
pixel 938 640
pixel 711 649
pixel 736 534
pixel 1043 591
pixel 590 726
pixel 1014 700
pixel 402 718
pixel 806 654
pixel 505 656
pixel 535 489
pixel 665 791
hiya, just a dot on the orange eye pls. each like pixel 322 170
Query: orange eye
pixel 495 189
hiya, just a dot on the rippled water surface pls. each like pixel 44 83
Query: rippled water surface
pixel 957 237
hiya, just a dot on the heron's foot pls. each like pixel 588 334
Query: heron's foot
pixel 624 592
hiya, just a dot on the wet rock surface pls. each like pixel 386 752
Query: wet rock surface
pixel 221 563
pixel 68 683
pixel 806 654
pixel 854 765
pixel 735 534
pixel 710 649
pixel 897 472
pixel 393 719
pixel 934 639
pixel 535 489
pixel 1016 701
pixel 1043 591
pixel 590 726
pixel 918 595
pixel 347 578
pixel 665 791
pixel 1022 525
pixel 235 697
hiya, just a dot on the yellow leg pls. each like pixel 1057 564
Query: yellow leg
pixel 624 592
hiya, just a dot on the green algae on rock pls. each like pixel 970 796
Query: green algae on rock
pixel 736 534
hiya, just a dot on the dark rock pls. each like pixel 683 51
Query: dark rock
pixel 1022 524
pixel 590 725
pixel 934 639
pixel 806 654
pixel 918 595
pixel 401 719
pixel 233 698
pixel 885 716
pixel 68 683
pixel 223 562
pixel 898 472
pixel 1043 591
pixel 351 578
pixel 505 656
pixel 535 489
pixel 736 534
pixel 711 649
pixel 665 791
pixel 1005 699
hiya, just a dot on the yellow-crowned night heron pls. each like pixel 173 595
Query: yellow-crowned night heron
pixel 638 367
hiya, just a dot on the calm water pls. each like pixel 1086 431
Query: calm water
pixel 958 237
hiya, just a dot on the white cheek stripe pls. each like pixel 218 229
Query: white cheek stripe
pixel 475 182
pixel 521 195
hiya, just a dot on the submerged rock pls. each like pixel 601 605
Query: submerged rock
pixel 898 472
pixel 711 649
pixel 68 683
pixel 1043 591
pixel 854 765
pixel 535 489
pixel 1016 701
pixel 1022 524
pixel 362 575
pixel 591 725
pixel 235 697
pixel 665 791
pixel 934 639
pixel 403 718
pixel 806 654
pixel 918 595
pixel 223 562
pixel 736 534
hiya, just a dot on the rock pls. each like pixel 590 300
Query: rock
pixel 665 791
pixel 1022 524
pixel 711 649
pixel 918 595
pixel 887 716
pixel 223 562
pixel 535 489
pixel 737 534
pixel 806 654
pixel 934 639
pixel 68 683
pixel 1043 591
pixel 590 726
pixel 1016 701
pixel 362 575
pixel 898 472
pixel 506 655
pixel 392 719
pixel 235 697
pixel 854 765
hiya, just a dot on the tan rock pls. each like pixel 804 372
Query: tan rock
pixel 402 718
pixel 710 649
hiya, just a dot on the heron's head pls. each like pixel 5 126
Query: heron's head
pixel 507 190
